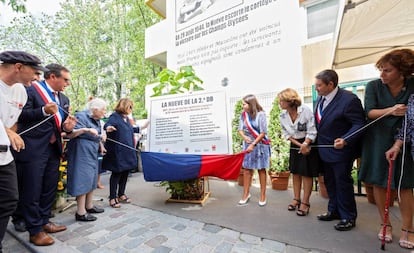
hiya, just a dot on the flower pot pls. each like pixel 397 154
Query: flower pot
pixel 280 180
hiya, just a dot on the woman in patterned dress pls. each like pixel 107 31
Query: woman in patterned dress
pixel 253 129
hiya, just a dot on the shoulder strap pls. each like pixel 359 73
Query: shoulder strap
pixel 252 129
pixel 47 97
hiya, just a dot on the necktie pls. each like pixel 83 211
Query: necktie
pixel 319 112
pixel 53 137
pixel 55 94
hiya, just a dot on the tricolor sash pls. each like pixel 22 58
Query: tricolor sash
pixel 253 130
pixel 48 97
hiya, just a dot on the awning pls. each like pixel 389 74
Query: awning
pixel 369 28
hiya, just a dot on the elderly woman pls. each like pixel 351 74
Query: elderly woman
pixel 120 159
pixel 82 156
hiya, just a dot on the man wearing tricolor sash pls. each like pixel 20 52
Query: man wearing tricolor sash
pixel 44 117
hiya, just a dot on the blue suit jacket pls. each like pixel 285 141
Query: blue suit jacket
pixel 343 116
pixel 37 140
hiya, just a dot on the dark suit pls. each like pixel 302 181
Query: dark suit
pixel 342 117
pixel 38 164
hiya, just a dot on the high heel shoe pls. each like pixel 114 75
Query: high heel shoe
pixel 301 212
pixel 405 242
pixel 388 233
pixel 244 201
pixel 114 203
pixel 293 207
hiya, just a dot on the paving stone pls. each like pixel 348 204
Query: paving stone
pixel 273 245
pixel 223 247
pixel 87 247
pixel 134 243
pixel 250 239
pixel 138 232
pixel 156 241
pixel 179 227
pixel 212 228
pixel 162 249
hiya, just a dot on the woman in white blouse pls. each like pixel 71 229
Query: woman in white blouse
pixel 298 127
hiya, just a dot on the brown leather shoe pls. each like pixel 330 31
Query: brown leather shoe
pixel 53 228
pixel 41 239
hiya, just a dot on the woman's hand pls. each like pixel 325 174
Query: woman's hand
pixel 399 110
pixel 304 149
pixel 392 153
pixel 110 129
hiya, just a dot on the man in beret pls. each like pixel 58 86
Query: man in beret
pixel 38 164
pixel 16 68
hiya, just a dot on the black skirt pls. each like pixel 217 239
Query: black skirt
pixel 304 165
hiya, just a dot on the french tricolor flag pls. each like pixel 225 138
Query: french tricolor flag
pixel 175 167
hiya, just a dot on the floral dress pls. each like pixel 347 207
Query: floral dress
pixel 259 158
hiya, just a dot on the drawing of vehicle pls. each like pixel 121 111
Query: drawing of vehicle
pixel 192 8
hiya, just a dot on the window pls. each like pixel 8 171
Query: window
pixel 321 17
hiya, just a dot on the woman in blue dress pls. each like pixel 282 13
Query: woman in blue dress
pixel 253 129
pixel 82 156
pixel 121 156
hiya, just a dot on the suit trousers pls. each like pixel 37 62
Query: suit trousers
pixel 340 187
pixel 8 195
pixel 39 184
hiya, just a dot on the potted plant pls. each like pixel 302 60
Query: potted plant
pixel 171 82
pixel 279 159
pixel 236 137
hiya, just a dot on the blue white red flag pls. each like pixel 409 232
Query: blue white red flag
pixel 175 167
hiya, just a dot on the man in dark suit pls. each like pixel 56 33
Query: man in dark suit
pixel 338 115
pixel 43 119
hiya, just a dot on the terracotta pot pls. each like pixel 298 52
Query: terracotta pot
pixel 280 180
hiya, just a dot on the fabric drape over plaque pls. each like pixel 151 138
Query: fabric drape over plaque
pixel 175 167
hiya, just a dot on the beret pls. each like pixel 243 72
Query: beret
pixel 23 58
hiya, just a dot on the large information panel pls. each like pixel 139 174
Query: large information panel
pixel 192 123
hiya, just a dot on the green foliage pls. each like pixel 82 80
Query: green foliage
pixel 280 147
pixel 191 189
pixel 174 83
pixel 16 5
pixel 237 139
pixel 101 42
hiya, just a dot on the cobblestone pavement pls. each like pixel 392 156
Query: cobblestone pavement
pixel 149 224
pixel 136 229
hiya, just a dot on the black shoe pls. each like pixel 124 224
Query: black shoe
pixel 95 209
pixel 85 217
pixel 328 216
pixel 19 225
pixel 345 225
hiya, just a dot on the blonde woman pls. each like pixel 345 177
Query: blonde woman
pixel 298 127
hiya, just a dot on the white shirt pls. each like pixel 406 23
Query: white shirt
pixel 303 127
pixel 12 100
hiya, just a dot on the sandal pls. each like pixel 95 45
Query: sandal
pixel 292 207
pixel 114 203
pixel 124 199
pixel 388 233
pixel 406 243
pixel 301 212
